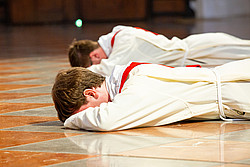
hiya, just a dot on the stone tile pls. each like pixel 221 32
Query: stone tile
pixel 39 89
pixel 35 99
pixel 4 87
pixel 107 161
pixel 41 111
pixel 51 126
pixel 14 121
pixel 10 107
pixel 10 96
pixel 9 62
pixel 5 68
pixel 186 130
pixel 3 80
pixel 24 158
pixel 40 128
pixel 241 135
pixel 16 138
pixel 232 165
pixel 196 149
pixel 233 122
pixel 94 143
pixel 43 80
pixel 42 73
pixel 13 73
pixel 244 161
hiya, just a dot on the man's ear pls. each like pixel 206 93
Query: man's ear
pixel 90 92
pixel 98 57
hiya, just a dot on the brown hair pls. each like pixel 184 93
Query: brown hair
pixel 79 51
pixel 67 91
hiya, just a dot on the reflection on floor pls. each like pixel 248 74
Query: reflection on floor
pixel 31 135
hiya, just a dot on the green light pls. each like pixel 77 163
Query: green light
pixel 78 23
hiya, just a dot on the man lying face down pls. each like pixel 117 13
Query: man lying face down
pixel 143 95
pixel 126 44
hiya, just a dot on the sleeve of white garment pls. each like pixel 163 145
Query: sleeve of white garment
pixel 117 54
pixel 105 40
pixel 128 110
pixel 138 45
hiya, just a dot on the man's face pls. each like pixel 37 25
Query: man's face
pixel 97 55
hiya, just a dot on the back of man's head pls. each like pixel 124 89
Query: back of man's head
pixel 67 91
pixel 79 51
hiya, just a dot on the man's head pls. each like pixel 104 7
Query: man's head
pixel 77 89
pixel 84 53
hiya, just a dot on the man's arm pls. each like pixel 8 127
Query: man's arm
pixel 136 106
pixel 138 45
pixel 105 41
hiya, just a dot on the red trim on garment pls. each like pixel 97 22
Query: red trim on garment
pixel 196 65
pixel 113 39
pixel 127 71
pixel 146 30
pixel 134 64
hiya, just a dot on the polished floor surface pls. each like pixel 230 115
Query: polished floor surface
pixel 31 135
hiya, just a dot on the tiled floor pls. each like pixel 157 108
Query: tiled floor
pixel 31 135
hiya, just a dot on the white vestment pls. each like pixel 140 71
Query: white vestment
pixel 125 44
pixel 154 95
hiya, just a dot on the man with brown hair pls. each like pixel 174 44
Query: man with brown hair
pixel 141 95
pixel 126 44
pixel 71 90
pixel 79 53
